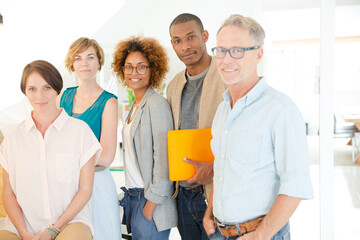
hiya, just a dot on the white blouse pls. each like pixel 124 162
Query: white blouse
pixel 133 178
pixel 44 172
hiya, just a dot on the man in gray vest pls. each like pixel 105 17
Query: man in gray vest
pixel 194 95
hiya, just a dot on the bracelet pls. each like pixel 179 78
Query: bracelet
pixel 52 231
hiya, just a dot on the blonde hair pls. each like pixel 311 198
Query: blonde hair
pixel 79 46
pixel 257 33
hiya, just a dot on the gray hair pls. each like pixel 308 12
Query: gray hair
pixel 257 33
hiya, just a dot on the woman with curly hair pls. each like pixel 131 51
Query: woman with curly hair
pixel 149 212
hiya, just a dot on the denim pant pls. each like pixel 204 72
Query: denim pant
pixel 191 209
pixel 136 223
pixel 283 234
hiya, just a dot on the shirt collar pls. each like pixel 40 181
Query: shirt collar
pixel 60 120
pixel 197 77
pixel 58 123
pixel 252 95
pixel 29 122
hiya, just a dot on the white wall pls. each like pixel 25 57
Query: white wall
pixel 41 29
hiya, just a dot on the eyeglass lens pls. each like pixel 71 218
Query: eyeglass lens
pixel 234 52
pixel 139 69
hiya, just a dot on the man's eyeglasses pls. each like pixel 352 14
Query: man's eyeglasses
pixel 235 52
pixel 141 70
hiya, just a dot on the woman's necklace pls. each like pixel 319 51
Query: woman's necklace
pixel 134 109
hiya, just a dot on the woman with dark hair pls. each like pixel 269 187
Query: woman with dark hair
pixel 48 162
pixel 149 212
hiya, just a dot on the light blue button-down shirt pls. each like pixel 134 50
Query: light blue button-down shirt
pixel 260 151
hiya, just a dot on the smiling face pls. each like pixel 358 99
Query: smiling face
pixel 41 95
pixel 232 70
pixel 86 64
pixel 188 41
pixel 135 81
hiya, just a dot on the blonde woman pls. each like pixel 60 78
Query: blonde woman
pixel 99 109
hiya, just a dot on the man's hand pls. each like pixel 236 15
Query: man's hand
pixel 204 171
pixel 252 236
pixel 208 223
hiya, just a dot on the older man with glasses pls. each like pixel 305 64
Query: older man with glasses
pixel 261 168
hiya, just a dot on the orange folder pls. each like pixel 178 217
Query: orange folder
pixel 191 143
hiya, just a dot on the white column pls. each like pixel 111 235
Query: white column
pixel 326 119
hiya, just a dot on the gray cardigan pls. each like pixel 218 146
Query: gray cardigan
pixel 211 97
pixel 148 132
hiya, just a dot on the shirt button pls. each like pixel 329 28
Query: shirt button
pixel 220 203
pixel 221 179
pixel 222 155
pixel 226 132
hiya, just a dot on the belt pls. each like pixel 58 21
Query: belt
pixel 228 230
pixel 99 168
pixel 125 203
pixel 192 188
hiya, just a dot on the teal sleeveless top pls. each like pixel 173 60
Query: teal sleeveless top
pixel 92 115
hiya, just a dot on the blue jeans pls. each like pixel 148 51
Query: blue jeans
pixel 136 223
pixel 191 209
pixel 283 234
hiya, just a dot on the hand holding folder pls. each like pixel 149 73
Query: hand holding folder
pixel 191 143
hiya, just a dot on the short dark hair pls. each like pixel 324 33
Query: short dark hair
pixel 187 17
pixel 50 74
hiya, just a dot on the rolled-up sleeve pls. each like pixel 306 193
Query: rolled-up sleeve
pixel 90 146
pixel 292 154
pixel 3 155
